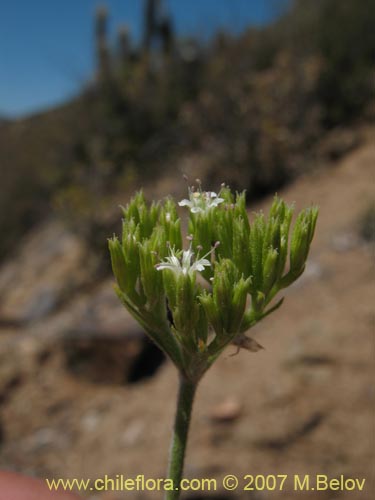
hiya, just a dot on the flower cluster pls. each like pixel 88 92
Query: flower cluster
pixel 201 201
pixel 193 306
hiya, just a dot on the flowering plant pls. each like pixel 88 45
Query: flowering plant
pixel 194 306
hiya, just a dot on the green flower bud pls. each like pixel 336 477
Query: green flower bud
pixel 284 237
pixel 229 294
pixel 201 229
pixel 170 287
pixel 240 209
pixel 151 279
pixel 256 250
pixel 130 245
pixel 125 267
pixel 241 246
pixel 186 312
pixel 302 236
pixel 202 329
pixel 118 264
pixel 301 239
pixel 212 312
pixel 171 224
pixel 240 293
pixel 270 269
pixel 227 195
pixel 224 231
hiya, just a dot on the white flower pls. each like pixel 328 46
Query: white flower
pixel 201 201
pixel 183 264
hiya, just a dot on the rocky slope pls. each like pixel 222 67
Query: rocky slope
pixel 83 393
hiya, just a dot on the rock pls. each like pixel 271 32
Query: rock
pixel 297 430
pixel 227 411
pixel 133 432
pixel 42 304
pixel 46 437
pixel 104 344
pixel 102 314
pixel 90 421
pixel 43 274
pixel 8 386
pixel 12 370
pixel 101 359
pixel 344 242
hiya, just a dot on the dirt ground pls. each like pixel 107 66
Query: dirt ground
pixel 303 405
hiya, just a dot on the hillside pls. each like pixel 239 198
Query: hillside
pixel 84 368
pixel 291 98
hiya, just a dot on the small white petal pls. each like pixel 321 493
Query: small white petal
pixel 186 259
pixel 216 202
pixel 174 261
pixel 164 265
pixel 184 203
pixel 182 264
pixel 198 267
pixel 204 262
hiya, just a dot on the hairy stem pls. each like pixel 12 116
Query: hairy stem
pixel 180 433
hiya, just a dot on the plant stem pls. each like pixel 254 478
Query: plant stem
pixel 180 433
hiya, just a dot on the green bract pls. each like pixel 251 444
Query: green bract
pixel 196 300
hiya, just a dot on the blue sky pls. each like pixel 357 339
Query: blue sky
pixel 46 47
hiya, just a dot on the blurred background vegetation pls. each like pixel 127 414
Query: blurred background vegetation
pixel 256 110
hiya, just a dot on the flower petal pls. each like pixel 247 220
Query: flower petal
pixel 184 203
